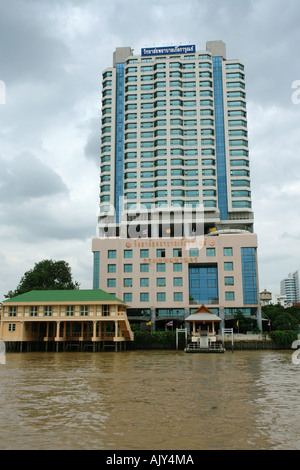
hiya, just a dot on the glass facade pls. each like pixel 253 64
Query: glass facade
pixel 203 284
pixel 249 275
pixel 119 138
pixel 96 275
pixel 220 138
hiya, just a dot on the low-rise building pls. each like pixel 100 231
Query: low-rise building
pixel 68 317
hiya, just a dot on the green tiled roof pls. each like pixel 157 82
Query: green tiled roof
pixel 62 295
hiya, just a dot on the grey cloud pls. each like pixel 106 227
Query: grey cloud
pixel 29 50
pixel 290 235
pixel 36 221
pixel 26 177
pixel 92 147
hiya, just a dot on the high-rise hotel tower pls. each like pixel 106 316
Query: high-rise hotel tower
pixel 175 220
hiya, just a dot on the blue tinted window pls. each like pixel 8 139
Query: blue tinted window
pixel 144 297
pixel 203 284
pixel 96 269
pixel 249 275
pixel 220 138
pixel 119 137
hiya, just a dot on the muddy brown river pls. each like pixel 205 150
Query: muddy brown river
pixel 150 400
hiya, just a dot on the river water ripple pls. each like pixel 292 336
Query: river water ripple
pixel 150 400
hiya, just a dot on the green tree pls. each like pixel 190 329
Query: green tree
pixel 46 274
pixel 282 318
pixel 285 321
pixel 241 323
pixel 284 337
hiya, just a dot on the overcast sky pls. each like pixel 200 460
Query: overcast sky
pixel 52 55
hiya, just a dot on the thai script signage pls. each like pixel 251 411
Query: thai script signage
pixel 168 50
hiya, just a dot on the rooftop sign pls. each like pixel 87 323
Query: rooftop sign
pixel 168 50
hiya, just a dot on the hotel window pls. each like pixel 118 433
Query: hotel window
pixel 240 183
pixel 161 296
pixel 229 295
pixel 147 174
pixel 228 266
pixel 127 253
pixel 194 252
pixel 241 193
pixel 33 311
pixel 70 311
pixel 127 268
pixel 130 185
pixel 130 175
pixel 84 310
pixel 144 267
pixel 144 297
pixel 144 282
pixel 161 253
pixel 144 253
pixel 11 327
pixel 178 296
pixel 229 281
pixel 160 267
pixel 177 252
pixel 111 282
pixel 112 253
pixel 235 85
pixel 191 183
pixel 131 116
pixel 12 311
pixel 235 66
pixel 177 281
pixel 209 192
pixel 47 310
pixel 210 252
pixel 236 204
pixel 208 172
pixel 177 267
pixel 235 75
pixel 131 69
pixel 105 310
pixel 111 268
pixel 127 282
pixel 227 251
pixel 128 165
pixel 191 162
pixel 127 297
pixel 237 113
pixel 161 281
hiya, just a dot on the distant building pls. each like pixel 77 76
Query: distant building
pixel 74 318
pixel 289 287
pixel 265 297
pixel 281 300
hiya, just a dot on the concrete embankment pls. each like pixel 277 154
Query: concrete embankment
pixel 251 342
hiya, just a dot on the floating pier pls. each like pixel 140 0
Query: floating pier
pixel 213 348
pixel 203 334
